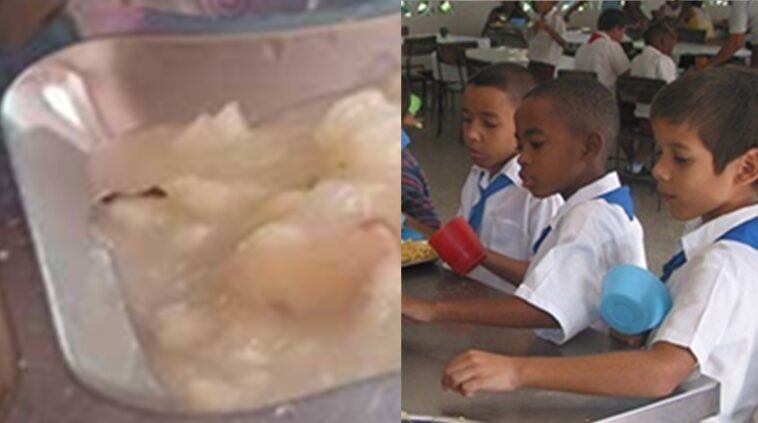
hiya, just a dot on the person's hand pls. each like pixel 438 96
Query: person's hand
pixel 475 371
pixel 635 341
pixel 416 310
pixel 539 24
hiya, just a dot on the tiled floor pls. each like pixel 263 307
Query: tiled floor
pixel 446 164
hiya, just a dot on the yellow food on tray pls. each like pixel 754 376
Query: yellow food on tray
pixel 416 252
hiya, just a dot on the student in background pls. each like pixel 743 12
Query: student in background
pixel 708 173
pixel 416 199
pixel 696 18
pixel 603 53
pixel 653 62
pixel 563 129
pixel 500 15
pixel 546 43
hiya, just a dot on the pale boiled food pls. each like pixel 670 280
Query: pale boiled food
pixel 259 263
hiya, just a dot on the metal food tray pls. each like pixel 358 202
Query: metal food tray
pixel 429 259
pixel 65 105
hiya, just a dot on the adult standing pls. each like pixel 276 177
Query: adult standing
pixel 743 24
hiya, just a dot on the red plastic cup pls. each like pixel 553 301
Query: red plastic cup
pixel 458 245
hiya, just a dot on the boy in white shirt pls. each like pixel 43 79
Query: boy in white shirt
pixel 546 43
pixel 505 216
pixel 563 129
pixel 603 53
pixel 708 171
pixel 653 62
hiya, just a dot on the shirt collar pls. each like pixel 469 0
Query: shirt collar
pixel 510 169
pixel 652 50
pixel 606 184
pixel 604 35
pixel 699 234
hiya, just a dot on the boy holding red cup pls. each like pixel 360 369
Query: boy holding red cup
pixel 563 129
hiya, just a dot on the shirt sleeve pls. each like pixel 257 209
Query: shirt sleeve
pixel 416 200
pixel 700 314
pixel 666 70
pixel 619 62
pixel 563 283
pixel 560 26
pixel 738 17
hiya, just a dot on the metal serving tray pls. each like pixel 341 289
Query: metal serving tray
pixel 68 103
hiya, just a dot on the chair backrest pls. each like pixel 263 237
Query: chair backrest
pixel 454 54
pixel 576 74
pixel 687 35
pixel 419 46
pixel 506 36
pixel 635 89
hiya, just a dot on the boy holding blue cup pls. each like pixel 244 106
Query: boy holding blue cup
pixel 705 125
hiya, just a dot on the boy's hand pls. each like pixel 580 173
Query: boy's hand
pixel 635 341
pixel 475 371
pixel 416 310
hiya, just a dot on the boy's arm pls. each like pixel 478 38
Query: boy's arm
pixel 652 373
pixel 418 226
pixel 509 311
pixel 507 268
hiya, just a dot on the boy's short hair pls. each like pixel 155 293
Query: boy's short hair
pixel 612 18
pixel 514 80
pixel 584 104
pixel 658 30
pixel 720 103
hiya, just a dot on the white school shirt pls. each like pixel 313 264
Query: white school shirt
pixel 588 237
pixel 651 63
pixel 605 57
pixel 513 218
pixel 542 48
pixel 715 312
pixel 743 19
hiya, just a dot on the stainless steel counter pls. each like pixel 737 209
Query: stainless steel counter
pixel 428 348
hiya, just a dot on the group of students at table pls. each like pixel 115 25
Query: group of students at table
pixel 553 221
pixel 603 53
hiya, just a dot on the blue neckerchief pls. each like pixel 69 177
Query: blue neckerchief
pixel 476 215
pixel 745 233
pixel 620 196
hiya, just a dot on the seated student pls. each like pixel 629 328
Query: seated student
pixel 697 18
pixel 708 170
pixel 563 129
pixel 603 53
pixel 506 216
pixel 653 62
pixel 416 199
pixel 499 16
pixel 546 43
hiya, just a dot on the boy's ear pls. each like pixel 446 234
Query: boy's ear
pixel 594 145
pixel 747 174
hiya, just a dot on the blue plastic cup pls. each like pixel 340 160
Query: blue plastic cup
pixel 633 300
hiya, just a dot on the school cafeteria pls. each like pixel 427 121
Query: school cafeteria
pixel 570 211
